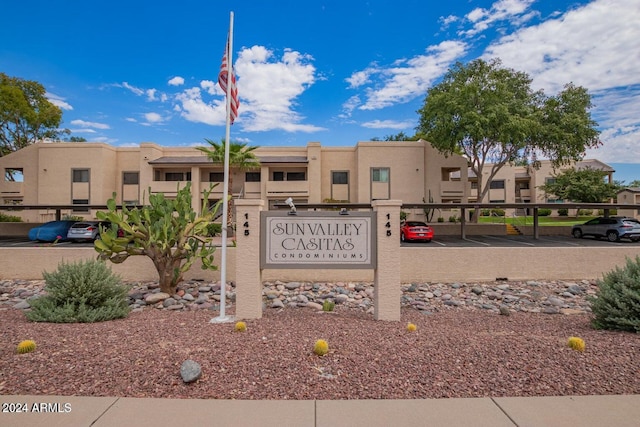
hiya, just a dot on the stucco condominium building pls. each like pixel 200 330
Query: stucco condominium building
pixel 80 174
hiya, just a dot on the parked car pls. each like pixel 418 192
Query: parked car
pixel 51 231
pixel 415 230
pixel 87 231
pixel 613 228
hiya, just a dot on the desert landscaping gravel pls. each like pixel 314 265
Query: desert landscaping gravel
pixel 457 351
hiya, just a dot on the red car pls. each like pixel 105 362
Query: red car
pixel 415 230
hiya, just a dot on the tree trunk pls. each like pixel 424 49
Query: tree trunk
pixel 166 268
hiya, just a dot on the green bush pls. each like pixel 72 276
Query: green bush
pixel 544 212
pixel 563 212
pixel 585 212
pixel 617 303
pixel 440 219
pixel 611 212
pixel 9 218
pixel 82 292
pixel 497 212
pixel 214 229
pixel 485 212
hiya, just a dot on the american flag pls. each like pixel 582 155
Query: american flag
pixel 222 81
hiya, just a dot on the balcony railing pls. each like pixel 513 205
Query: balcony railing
pixel 288 188
pixel 13 189
pixel 451 189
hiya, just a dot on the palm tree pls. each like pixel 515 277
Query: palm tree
pixel 241 157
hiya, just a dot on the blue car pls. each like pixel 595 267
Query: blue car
pixel 51 231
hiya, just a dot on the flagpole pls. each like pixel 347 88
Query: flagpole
pixel 225 192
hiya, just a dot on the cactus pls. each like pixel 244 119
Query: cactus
pixel 576 343
pixel 328 305
pixel 411 327
pixel 166 230
pixel 321 347
pixel 26 346
pixel 240 327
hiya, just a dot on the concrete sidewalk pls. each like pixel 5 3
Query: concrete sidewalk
pixel 65 411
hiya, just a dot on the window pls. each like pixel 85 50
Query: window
pixel 131 202
pixel 80 175
pixel 278 176
pixel 339 177
pixel 380 174
pixel 80 202
pixel 216 176
pixel 474 185
pixel 14 174
pixel 497 185
pixel 252 177
pixel 130 178
pixel 177 176
pixel 296 176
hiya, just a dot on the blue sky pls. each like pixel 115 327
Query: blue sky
pixel 336 71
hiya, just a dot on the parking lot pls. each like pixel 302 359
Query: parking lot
pixel 518 241
pixel 439 241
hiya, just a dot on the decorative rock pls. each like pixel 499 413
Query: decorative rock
pixel 155 298
pixel 168 302
pixel 292 285
pixel 504 310
pixel 190 371
pixel 314 305
pixel 22 305
pixel 477 290
pixel 277 304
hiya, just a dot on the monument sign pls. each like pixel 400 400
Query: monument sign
pixel 318 240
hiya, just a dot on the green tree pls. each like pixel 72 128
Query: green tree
pixel 76 139
pixel 584 185
pixel 491 115
pixel 241 157
pixel 26 115
pixel 634 184
pixel 166 230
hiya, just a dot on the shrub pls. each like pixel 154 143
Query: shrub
pixel 82 292
pixel 440 219
pixel 585 212
pixel 328 305
pixel 611 212
pixel 26 346
pixel 497 212
pixel 241 327
pixel 411 327
pixel 617 303
pixel 453 218
pixel 544 212
pixel 563 212
pixel 576 343
pixel 321 347
pixel 9 218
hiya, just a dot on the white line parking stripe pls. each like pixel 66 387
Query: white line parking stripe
pixel 476 241
pixel 509 240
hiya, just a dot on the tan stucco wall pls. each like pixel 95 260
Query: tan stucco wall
pixel 416 264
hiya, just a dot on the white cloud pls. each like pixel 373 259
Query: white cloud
pixel 388 124
pixel 267 87
pixel 360 78
pixel 87 130
pixel 153 118
pixel 411 78
pixel 176 81
pixel 58 101
pixel 151 94
pixel 513 11
pixel 90 124
pixel 133 89
pixel 594 46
